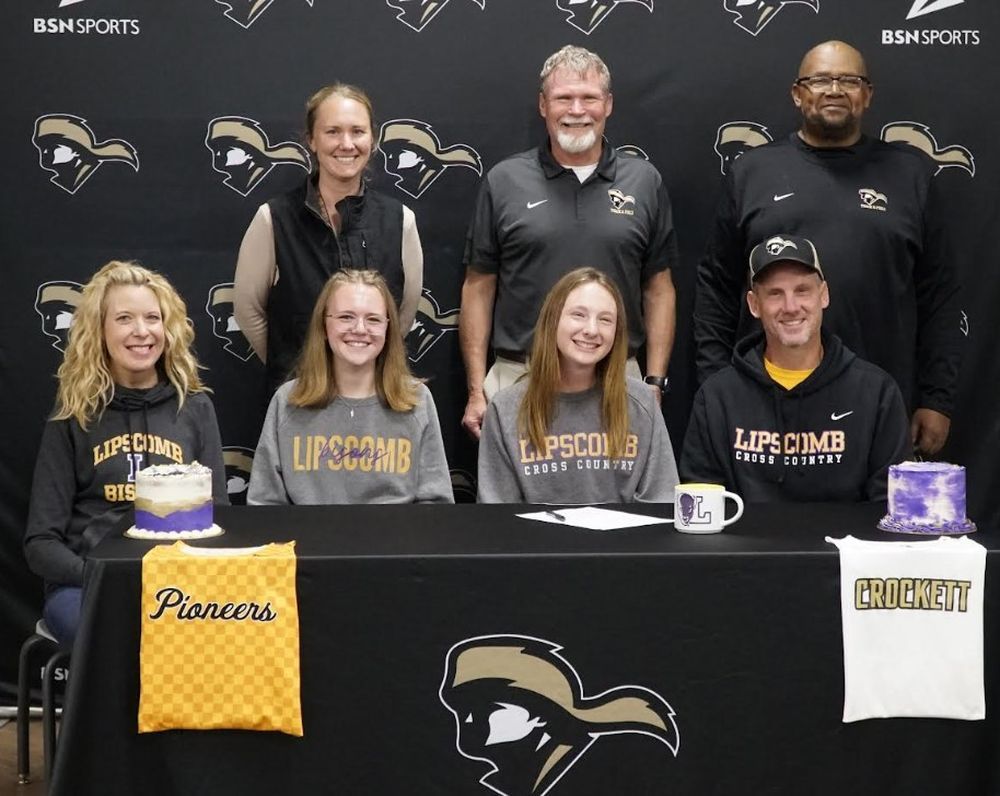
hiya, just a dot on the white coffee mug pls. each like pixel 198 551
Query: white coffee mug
pixel 701 508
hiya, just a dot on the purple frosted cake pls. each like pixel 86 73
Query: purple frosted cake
pixel 174 501
pixel 926 497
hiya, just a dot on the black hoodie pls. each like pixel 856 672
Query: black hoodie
pixel 830 438
pixel 84 480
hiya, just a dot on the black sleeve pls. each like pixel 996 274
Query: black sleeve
pixel 720 288
pixel 940 341
pixel 53 492
pixel 699 461
pixel 891 444
pixel 482 249
pixel 210 448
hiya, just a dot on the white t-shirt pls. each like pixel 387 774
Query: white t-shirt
pixel 913 628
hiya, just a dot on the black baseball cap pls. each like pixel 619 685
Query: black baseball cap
pixel 784 248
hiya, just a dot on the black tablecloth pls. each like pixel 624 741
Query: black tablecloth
pixel 740 632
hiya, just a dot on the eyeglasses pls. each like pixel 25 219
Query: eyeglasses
pixel 347 321
pixel 825 82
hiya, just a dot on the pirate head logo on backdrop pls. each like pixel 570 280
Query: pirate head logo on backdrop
pixel 245 12
pixel 920 136
pixel 632 151
pixel 241 150
pixel 586 15
pixel 68 148
pixel 56 302
pixel 735 138
pixel 417 13
pixel 753 15
pixel 429 326
pixel 224 326
pixel 414 154
pixel 519 706
pixel 239 463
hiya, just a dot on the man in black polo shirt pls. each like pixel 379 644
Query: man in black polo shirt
pixel 571 202
pixel 872 209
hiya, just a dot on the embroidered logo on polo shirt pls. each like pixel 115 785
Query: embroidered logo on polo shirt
pixel 872 199
pixel 620 203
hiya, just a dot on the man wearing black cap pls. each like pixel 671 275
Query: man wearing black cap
pixel 797 416
pixel 874 210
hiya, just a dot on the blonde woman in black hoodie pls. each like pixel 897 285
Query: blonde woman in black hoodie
pixel 129 396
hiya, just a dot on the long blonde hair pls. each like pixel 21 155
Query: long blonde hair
pixel 538 404
pixel 85 382
pixel 316 384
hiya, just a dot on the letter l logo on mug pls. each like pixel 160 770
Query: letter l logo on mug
pixel 701 508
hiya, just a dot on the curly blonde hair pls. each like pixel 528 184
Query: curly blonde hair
pixel 316 381
pixel 85 382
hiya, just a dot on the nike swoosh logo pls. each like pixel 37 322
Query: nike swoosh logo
pixel 532 205
pixel 841 416
pixel 778 198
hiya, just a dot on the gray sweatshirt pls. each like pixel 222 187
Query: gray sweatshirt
pixel 575 468
pixel 352 451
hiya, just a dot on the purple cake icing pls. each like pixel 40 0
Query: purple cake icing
pixel 927 497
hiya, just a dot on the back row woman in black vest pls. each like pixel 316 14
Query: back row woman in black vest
pixel 333 221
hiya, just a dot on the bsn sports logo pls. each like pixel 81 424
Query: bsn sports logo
pixel 224 325
pixel 586 15
pixel 735 138
pixel 239 464
pixel 413 153
pixel 416 14
pixel 872 199
pixel 519 706
pixel 429 326
pixel 754 15
pixel 68 148
pixel 245 12
pixel 920 136
pixel 56 303
pixel 84 25
pixel 931 36
pixel 241 150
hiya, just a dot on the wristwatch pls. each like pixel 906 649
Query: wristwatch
pixel 663 382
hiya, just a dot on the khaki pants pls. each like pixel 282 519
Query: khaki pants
pixel 507 371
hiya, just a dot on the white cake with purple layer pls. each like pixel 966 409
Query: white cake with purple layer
pixel 174 501
pixel 927 497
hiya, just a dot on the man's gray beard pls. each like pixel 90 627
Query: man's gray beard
pixel 575 144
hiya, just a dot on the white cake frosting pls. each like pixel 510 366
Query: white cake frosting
pixel 174 501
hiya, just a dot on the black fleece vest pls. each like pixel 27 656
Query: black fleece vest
pixel 308 252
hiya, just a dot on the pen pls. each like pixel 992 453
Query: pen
pixel 556 514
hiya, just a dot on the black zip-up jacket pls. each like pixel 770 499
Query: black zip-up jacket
pixel 873 211
pixel 308 252
pixel 830 438
pixel 85 480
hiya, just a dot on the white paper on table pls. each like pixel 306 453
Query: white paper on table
pixel 595 519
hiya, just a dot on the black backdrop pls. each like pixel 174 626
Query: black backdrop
pixel 147 78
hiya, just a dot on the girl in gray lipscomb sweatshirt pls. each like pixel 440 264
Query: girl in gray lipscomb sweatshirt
pixel 575 430
pixel 354 426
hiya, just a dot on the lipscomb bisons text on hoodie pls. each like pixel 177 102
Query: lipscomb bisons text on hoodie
pixel 85 480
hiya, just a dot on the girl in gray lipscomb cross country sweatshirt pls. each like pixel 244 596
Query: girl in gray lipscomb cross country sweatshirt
pixel 355 426
pixel 575 430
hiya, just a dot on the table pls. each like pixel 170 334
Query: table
pixel 739 632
